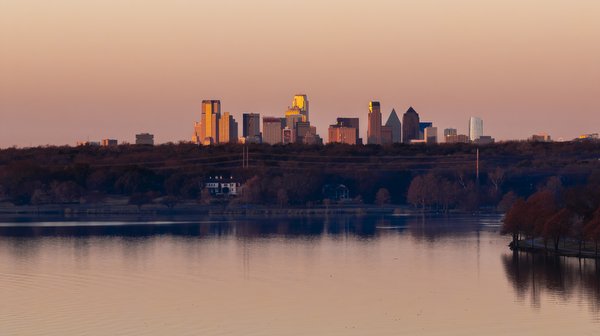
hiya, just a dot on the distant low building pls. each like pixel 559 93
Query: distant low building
pixel 144 139
pixel 484 140
pixel 88 143
pixel 312 138
pixel 543 137
pixel 589 136
pixel 450 131
pixel 222 186
pixel 387 135
pixel 457 138
pixel 344 131
pixel 336 192
pixel 422 126
pixel 342 134
pixel 430 135
pixel 109 142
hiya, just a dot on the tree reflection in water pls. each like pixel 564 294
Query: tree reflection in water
pixel 536 275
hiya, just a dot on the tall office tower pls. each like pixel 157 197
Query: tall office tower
pixel 228 129
pixel 211 113
pixel 251 127
pixel 300 102
pixel 475 128
pixel 431 134
pixel 450 131
pixel 207 130
pixel 299 109
pixel 395 125
pixel 352 123
pixel 410 126
pixel 374 124
pixel 272 130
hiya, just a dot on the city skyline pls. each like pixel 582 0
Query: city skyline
pixel 116 69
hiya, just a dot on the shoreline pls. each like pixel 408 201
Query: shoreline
pixel 195 209
pixel 539 248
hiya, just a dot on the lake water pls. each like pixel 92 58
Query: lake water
pixel 280 276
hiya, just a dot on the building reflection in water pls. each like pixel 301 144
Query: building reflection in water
pixel 534 276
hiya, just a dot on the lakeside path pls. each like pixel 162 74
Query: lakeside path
pixel 569 249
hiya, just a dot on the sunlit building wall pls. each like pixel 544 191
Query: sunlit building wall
pixel 211 112
pixel 342 134
pixel 300 103
pixel 475 128
pixel 228 129
pixel 431 134
pixel 352 123
pixel 374 123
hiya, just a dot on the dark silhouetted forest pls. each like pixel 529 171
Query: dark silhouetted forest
pixel 430 177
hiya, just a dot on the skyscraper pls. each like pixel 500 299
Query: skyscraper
pixel 272 130
pixel 374 123
pixel 298 111
pixel 475 128
pixel 251 127
pixel 300 102
pixel 410 126
pixel 207 130
pixel 211 112
pixel 228 129
pixel 395 125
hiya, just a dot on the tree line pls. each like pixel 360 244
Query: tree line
pixel 555 215
pixel 429 177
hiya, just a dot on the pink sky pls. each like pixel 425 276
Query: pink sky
pixel 95 69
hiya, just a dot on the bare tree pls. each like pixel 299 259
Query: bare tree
pixel 282 197
pixel 497 177
pixel 382 197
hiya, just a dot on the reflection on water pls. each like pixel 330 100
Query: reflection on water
pixel 286 276
pixel 536 275
pixel 364 227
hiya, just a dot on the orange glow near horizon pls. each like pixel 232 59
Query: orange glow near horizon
pixel 73 70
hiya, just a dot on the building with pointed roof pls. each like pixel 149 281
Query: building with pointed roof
pixel 395 125
pixel 410 126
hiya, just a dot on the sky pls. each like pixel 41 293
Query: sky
pixel 76 70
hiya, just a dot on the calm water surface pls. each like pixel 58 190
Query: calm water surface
pixel 304 276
